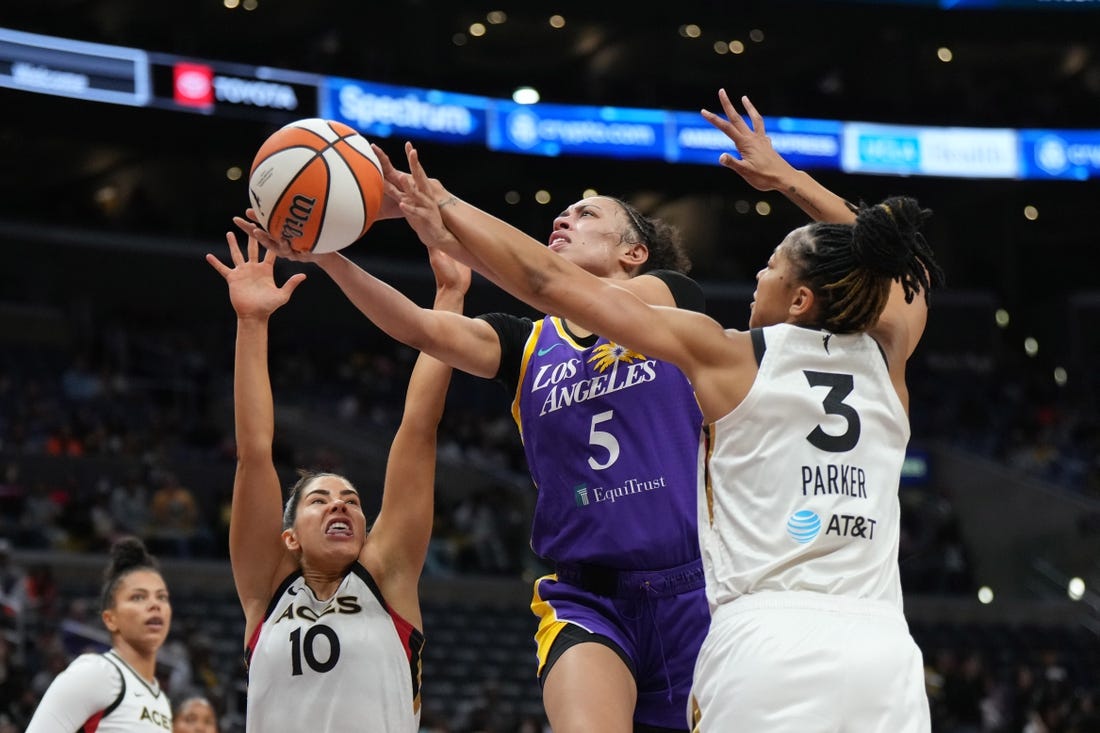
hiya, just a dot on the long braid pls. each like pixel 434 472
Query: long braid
pixel 850 266
pixel 859 298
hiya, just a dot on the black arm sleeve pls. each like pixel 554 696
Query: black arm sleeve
pixel 513 332
pixel 685 291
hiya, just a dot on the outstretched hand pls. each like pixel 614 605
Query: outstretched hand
pixel 252 289
pixel 250 225
pixel 418 196
pixel 759 164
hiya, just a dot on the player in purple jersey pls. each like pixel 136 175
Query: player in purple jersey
pixel 850 290
pixel 611 437
pixel 623 616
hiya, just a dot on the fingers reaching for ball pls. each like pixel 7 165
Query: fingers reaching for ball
pixel 252 289
pixel 264 239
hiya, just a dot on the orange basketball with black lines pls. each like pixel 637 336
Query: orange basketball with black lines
pixel 316 185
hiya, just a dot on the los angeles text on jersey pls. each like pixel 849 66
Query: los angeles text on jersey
pixel 564 393
pixel 340 604
pixel 842 480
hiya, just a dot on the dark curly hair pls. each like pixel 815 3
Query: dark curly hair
pixel 849 267
pixel 666 249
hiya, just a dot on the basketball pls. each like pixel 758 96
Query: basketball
pixel 316 185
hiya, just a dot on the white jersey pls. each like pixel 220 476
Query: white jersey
pixel 800 488
pixel 347 663
pixel 100 693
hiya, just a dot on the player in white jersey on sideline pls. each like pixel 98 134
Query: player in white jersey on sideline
pixel 117 691
pixel 800 465
pixel 332 612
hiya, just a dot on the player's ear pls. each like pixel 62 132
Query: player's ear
pixel 802 303
pixel 290 541
pixel 635 256
pixel 108 617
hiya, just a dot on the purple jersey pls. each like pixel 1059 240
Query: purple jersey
pixel 612 441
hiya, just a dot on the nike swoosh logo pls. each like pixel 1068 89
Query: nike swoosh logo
pixel 548 349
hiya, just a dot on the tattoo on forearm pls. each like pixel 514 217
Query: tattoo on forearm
pixel 445 202
pixel 806 202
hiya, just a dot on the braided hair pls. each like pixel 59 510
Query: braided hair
pixel 666 249
pixel 850 267
pixel 127 555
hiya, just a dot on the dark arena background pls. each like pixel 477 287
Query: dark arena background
pixel 116 338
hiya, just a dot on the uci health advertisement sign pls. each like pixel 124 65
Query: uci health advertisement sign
pixel 955 152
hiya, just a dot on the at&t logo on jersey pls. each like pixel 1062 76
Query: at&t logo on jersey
pixel 851 525
pixel 804 526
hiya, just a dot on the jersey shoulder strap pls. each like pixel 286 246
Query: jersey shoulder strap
pixel 759 344
pixel 122 690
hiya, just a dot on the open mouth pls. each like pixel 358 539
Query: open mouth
pixel 339 528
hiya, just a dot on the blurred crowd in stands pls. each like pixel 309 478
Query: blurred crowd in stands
pixel 130 433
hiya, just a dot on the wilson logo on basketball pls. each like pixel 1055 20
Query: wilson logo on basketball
pixel 294 226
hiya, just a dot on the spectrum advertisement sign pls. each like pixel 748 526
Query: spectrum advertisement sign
pixel 555 129
pixel 805 143
pixel 1064 154
pixel 383 110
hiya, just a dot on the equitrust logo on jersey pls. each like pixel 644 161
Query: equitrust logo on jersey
pixel 583 495
pixel 580 494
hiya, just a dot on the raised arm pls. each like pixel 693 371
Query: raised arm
pixel 465 343
pixel 898 331
pixel 549 282
pixel 431 231
pixel 256 552
pixel 766 170
pixel 399 538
